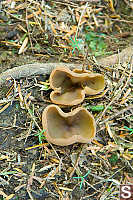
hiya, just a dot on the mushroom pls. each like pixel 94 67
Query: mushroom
pixel 93 84
pixel 67 128
pixel 69 87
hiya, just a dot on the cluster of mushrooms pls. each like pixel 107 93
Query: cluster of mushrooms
pixel 69 88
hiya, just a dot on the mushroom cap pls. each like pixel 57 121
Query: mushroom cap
pixel 93 84
pixel 72 97
pixel 67 128
pixel 70 87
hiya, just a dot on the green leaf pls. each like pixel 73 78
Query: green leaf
pixel 92 45
pixel 98 53
pixel 82 178
pixel 97 108
pixel 45 87
pixel 113 159
pixel 37 46
pixel 41 136
pixel 96 43
pixel 130 129
pixel 101 45
pixel 22 38
pixel 90 36
pixel 77 43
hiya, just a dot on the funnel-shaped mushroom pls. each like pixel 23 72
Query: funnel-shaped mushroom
pixel 67 128
pixel 94 82
pixel 70 87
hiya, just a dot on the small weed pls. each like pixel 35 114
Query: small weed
pixel 43 85
pixel 41 136
pixel 37 47
pixel 129 129
pixel 82 178
pixel 96 43
pixel 97 108
pixel 113 159
pixel 76 44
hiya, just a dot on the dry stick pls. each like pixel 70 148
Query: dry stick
pixel 77 160
pixel 119 20
pixel 14 16
pixel 27 24
pixel 83 68
pixel 80 20
pixel 129 4
pixel 116 114
pixel 34 69
pixel 130 73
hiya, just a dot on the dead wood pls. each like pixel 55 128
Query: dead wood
pixel 34 69
pixel 123 56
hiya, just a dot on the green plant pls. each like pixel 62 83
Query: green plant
pixel 43 85
pixel 96 43
pixel 113 159
pixel 41 136
pixel 129 129
pixel 82 178
pixel 97 108
pixel 76 43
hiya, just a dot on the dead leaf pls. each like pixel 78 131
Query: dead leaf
pixel 24 44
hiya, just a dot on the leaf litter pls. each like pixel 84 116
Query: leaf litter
pixel 86 33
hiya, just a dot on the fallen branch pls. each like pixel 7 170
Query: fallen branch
pixel 123 56
pixel 33 69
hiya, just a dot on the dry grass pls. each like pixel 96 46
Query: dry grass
pixel 30 167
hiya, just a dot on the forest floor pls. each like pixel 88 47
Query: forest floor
pixel 79 32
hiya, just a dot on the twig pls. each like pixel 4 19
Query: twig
pixel 77 160
pixel 116 114
pixel 34 69
pixel 27 24
pixel 131 6
pixel 131 67
pixel 80 19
